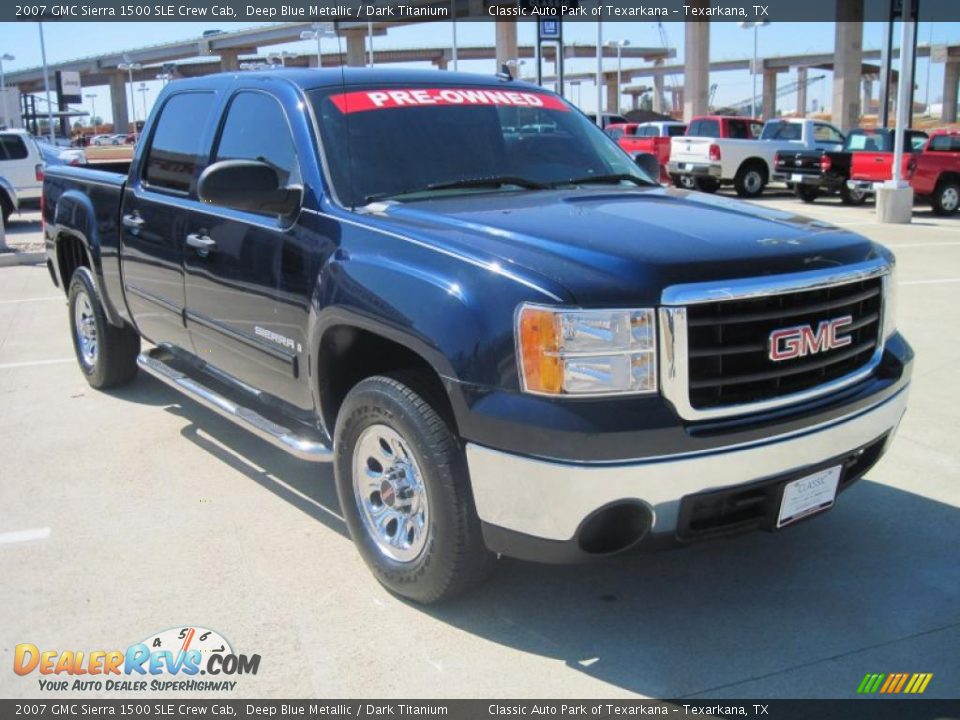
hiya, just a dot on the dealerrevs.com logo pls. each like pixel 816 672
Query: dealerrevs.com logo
pixel 178 659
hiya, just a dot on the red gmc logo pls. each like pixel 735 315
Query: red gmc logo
pixel 802 340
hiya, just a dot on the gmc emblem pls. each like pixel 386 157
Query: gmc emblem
pixel 802 340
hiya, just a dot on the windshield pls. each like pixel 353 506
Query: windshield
pixel 420 142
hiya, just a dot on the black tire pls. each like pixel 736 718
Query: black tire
pixel 707 185
pixel 452 556
pixel 750 180
pixel 113 361
pixel 806 193
pixel 6 209
pixel 851 197
pixel 946 197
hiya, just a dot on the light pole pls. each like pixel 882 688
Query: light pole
pixel 619 45
pixel 282 57
pixel 600 73
pixel 130 67
pixel 46 85
pixel 92 97
pixel 453 14
pixel 3 84
pixel 756 25
pixel 320 30
pixel 143 90
pixel 370 41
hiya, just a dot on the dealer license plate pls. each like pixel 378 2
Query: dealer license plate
pixel 808 495
pixel 796 177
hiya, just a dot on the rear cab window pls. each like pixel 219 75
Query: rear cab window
pixel 176 148
pixel 704 128
pixel 12 147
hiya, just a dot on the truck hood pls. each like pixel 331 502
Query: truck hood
pixel 604 245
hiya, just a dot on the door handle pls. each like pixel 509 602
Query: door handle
pixel 203 243
pixel 133 222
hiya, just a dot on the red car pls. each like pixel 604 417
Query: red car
pixel 932 165
pixel 934 173
pixel 650 137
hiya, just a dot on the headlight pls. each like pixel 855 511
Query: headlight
pixel 890 302
pixel 586 352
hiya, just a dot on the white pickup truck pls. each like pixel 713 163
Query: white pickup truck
pixel 714 152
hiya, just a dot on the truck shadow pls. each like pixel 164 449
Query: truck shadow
pixel 868 587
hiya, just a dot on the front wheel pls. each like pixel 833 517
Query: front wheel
pixel 107 354
pixel 946 198
pixel 405 493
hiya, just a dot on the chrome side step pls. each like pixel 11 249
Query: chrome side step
pixel 284 438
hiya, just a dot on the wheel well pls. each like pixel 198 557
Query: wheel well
pixel 71 254
pixel 759 163
pixel 6 202
pixel 349 354
pixel 948 177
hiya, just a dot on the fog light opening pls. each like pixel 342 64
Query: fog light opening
pixel 614 528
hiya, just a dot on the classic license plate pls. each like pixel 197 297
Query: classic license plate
pixel 808 495
pixel 796 178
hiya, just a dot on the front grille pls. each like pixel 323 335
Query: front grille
pixel 728 343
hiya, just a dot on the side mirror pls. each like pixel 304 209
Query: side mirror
pixel 649 164
pixel 249 185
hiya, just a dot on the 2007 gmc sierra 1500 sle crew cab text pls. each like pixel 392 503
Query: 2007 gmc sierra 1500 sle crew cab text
pixel 518 344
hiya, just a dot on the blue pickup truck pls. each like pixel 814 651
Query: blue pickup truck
pixel 506 337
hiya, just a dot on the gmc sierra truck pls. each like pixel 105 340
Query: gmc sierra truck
pixel 517 345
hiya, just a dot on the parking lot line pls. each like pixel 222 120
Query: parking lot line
pixel 18 536
pixel 12 366
pixel 932 281
pixel 36 299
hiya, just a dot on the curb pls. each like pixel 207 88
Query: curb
pixel 22 258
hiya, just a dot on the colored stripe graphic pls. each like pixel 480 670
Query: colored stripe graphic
pixel 894 683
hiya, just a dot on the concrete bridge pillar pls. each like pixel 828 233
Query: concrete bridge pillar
pixel 356 48
pixel 506 42
pixel 696 71
pixel 118 102
pixel 848 64
pixel 229 61
pixel 801 92
pixel 769 94
pixel 951 79
pixel 659 104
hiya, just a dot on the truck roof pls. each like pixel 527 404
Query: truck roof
pixel 313 78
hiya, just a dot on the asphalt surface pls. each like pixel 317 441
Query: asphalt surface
pixel 125 513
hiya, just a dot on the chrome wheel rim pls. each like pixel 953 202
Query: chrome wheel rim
pixel 390 493
pixel 85 328
pixel 752 181
pixel 950 199
pixel 688 182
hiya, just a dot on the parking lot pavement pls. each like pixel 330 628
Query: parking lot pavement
pixel 129 512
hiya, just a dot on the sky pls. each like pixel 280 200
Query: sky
pixel 69 41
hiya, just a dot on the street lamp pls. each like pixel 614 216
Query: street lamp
pixel 3 84
pixel 320 30
pixel 619 45
pixel 130 67
pixel 92 97
pixel 143 90
pixel 756 25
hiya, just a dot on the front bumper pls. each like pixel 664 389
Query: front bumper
pixel 536 508
pixel 712 170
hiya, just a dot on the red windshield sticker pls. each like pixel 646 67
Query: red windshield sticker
pixel 364 100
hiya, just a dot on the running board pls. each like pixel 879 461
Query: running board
pixel 284 438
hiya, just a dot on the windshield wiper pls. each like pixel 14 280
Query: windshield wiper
pixel 603 179
pixel 491 181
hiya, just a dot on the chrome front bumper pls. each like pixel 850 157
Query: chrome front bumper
pixel 549 500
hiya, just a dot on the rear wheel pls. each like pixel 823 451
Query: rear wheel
pixel 806 193
pixel 750 180
pixel 852 197
pixel 946 198
pixel 687 182
pixel 107 354
pixel 405 493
